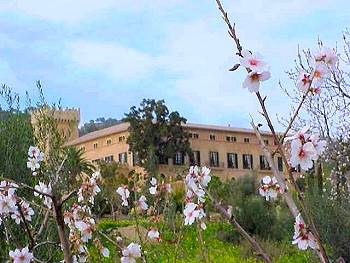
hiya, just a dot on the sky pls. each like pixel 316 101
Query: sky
pixel 106 56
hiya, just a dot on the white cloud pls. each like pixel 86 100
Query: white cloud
pixel 114 59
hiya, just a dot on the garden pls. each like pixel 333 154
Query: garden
pixel 57 206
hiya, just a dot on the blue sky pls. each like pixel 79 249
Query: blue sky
pixel 105 56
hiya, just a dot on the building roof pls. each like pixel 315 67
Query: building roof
pixel 122 127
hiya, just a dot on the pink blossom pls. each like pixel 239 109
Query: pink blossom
pixel 190 213
pixel 302 154
pixel 253 79
pixel 253 61
pixel 304 81
pixel 21 255
pixel 327 56
pixel 130 253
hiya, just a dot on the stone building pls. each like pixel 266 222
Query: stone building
pixel 229 152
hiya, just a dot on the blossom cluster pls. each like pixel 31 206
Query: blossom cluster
pixel 11 205
pixel 302 236
pixel 325 59
pixel 89 188
pixel 156 188
pixel 21 255
pixel 258 70
pixel 131 253
pixel 269 188
pixel 80 222
pixel 35 156
pixel 196 181
pixel 305 148
pixel 42 189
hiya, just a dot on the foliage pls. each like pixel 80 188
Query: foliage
pixel 190 249
pixel 156 133
pixel 332 217
pixel 98 124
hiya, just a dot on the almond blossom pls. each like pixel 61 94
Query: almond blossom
pixel 27 212
pixel 21 255
pixel 153 234
pixel 46 189
pixel 89 188
pixel 302 237
pixel 302 154
pixel 253 61
pixel 327 56
pixel 191 213
pixel 85 229
pixel 304 81
pixel 124 192
pixel 305 148
pixel 35 156
pixel 142 203
pixel 320 73
pixel 131 253
pixel 269 188
pixel 253 79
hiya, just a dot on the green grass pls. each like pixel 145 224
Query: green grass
pixel 221 244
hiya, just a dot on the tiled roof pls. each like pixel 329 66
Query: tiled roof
pixel 122 127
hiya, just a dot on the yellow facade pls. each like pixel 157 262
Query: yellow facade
pixel 213 143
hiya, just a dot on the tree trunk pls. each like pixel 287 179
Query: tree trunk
pixel 58 215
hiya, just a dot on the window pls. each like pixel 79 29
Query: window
pixel 121 138
pixel 280 164
pixel 264 164
pixel 246 140
pixel 95 145
pixel 266 141
pixel 231 138
pixel 179 158
pixel 232 161
pixel 109 158
pixel 95 161
pixel 109 141
pixel 214 159
pixel 247 161
pixel 123 157
pixel 195 158
pixel 163 159
pixel 194 135
pixel 212 137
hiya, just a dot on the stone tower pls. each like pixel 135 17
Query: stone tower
pixel 67 120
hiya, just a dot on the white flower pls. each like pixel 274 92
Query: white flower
pixel 302 237
pixel 85 230
pixel 33 164
pixel 153 181
pixel 130 253
pixel 304 81
pixel 153 190
pixel 17 217
pixel 320 73
pixel 119 239
pixel 46 189
pixel 7 205
pixel 34 152
pixel 21 256
pixel 205 177
pixel 302 154
pixel 153 234
pixel 123 191
pixel 327 55
pixel 142 202
pixel 269 188
pixel 203 226
pixel 319 145
pixel 190 213
pixel 252 81
pixel 253 61
pixel 104 251
pixel 301 135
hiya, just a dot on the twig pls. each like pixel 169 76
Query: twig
pixel 260 252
